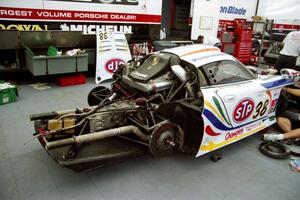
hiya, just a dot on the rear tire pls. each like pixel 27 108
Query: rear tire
pixel 97 94
pixel 274 150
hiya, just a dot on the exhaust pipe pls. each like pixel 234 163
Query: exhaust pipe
pixel 38 116
pixel 53 114
pixel 97 136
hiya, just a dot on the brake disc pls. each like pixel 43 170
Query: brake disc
pixel 165 139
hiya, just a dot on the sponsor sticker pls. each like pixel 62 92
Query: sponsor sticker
pixel 112 65
pixel 92 29
pixel 24 27
pixel 252 126
pixel 243 110
pixel 233 10
pixel 234 134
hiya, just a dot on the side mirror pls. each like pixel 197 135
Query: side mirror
pixel 256 70
pixel 253 69
pixel 291 74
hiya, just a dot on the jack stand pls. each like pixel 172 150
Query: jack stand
pixel 216 157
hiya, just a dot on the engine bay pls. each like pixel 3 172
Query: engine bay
pixel 139 107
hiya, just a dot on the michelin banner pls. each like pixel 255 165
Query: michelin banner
pixel 112 50
pixel 91 29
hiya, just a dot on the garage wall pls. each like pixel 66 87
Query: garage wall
pixel 222 10
pixel 283 12
pixel 231 9
pixel 205 18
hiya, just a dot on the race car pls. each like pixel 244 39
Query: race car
pixel 193 99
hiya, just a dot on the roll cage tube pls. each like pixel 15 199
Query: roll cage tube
pixel 200 75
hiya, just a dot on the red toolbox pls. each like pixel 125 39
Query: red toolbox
pixel 239 25
pixel 226 36
pixel 244 60
pixel 76 79
pixel 243 48
pixel 245 35
pixel 244 45
pixel 243 51
pixel 228 48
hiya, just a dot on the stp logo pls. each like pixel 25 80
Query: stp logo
pixel 243 110
pixel 112 65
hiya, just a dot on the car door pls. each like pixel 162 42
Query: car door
pixel 235 105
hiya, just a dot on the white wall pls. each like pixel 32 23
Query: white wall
pixel 246 7
pixel 219 10
pixel 205 9
pixel 282 11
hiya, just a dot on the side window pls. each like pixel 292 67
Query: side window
pixel 227 71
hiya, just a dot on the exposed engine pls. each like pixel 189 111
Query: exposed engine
pixel 111 116
pixel 154 75
pixel 136 107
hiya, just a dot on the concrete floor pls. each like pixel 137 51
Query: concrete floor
pixel 27 172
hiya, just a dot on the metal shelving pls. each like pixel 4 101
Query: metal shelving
pixel 266 26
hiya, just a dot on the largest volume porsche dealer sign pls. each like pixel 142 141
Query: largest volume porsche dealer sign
pixel 123 2
pixel 116 11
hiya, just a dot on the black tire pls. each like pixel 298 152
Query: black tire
pixel 297 142
pixel 293 153
pixel 274 150
pixel 97 94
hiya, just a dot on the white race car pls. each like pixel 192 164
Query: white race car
pixel 193 99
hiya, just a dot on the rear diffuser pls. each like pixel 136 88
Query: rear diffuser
pixel 99 153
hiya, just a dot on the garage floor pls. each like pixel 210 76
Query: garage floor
pixel 27 172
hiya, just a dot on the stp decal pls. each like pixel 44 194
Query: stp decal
pixel 243 110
